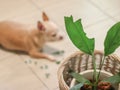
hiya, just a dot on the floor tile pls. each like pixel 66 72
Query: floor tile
pixel 77 8
pixel 5 54
pixel 108 7
pixel 44 70
pixel 30 19
pixel 15 8
pixel 44 3
pixel 117 17
pixel 17 76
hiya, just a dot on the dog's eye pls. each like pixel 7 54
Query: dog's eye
pixel 54 34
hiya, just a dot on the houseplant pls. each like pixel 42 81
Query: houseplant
pixel 80 40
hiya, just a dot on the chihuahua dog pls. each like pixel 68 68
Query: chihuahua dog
pixel 16 36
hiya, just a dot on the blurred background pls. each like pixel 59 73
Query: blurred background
pixel 21 72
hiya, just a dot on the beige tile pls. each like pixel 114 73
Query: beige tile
pixel 45 70
pixel 108 6
pixel 44 3
pixel 13 8
pixel 77 8
pixel 5 54
pixel 22 11
pixel 117 17
pixel 15 75
pixel 32 18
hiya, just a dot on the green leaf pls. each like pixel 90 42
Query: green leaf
pixel 57 62
pixel 78 36
pixel 113 79
pixel 77 87
pixel 80 78
pixel 112 40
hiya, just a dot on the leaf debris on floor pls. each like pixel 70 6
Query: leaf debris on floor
pixel 58 52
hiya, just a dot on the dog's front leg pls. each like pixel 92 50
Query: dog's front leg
pixel 37 54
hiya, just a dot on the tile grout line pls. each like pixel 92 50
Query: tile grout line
pixel 38 77
pixel 102 20
pixel 35 5
pixel 39 8
pixel 100 9
pixel 5 57
pixel 35 74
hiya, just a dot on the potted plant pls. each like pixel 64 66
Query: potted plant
pixel 97 77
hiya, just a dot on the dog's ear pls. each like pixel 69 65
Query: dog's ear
pixel 45 17
pixel 40 26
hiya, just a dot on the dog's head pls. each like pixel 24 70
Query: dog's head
pixel 51 29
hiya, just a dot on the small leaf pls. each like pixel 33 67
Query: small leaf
pixel 58 52
pixel 47 75
pixel 77 87
pixel 26 62
pixel 30 61
pixel 78 36
pixel 57 62
pixel 46 66
pixel 113 79
pixel 41 67
pixel 35 62
pixel 80 78
pixel 112 40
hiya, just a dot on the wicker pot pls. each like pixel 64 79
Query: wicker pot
pixel 80 62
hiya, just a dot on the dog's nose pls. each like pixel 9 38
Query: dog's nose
pixel 61 37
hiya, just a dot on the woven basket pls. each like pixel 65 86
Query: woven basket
pixel 81 62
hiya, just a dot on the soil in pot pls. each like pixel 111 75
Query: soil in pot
pixel 101 86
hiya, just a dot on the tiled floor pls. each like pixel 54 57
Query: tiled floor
pixel 21 72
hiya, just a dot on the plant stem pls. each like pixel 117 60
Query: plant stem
pixel 94 87
pixel 101 65
pixel 94 73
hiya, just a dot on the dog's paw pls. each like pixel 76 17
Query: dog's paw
pixel 51 58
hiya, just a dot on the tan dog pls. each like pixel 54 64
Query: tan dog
pixel 15 36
